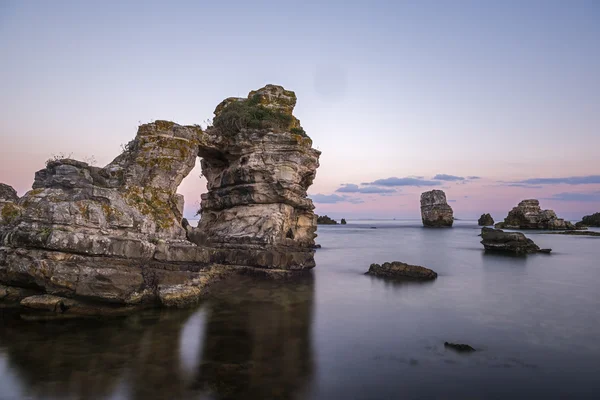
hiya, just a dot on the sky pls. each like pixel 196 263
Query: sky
pixel 492 102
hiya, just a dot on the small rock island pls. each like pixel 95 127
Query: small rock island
pixel 400 270
pixel 485 220
pixel 589 220
pixel 86 236
pixel 528 215
pixel 325 220
pixel 435 211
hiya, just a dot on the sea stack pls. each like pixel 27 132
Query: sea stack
pixel 435 211
pixel 485 220
pixel 115 234
pixel 529 215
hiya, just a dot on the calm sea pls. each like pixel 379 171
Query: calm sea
pixel 339 334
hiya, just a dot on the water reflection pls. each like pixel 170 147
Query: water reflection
pixel 251 341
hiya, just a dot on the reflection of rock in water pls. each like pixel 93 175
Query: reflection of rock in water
pixel 257 345
pixel 90 359
pixel 258 341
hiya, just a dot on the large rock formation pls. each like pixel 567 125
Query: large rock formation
pixel 435 211
pixel 529 215
pixel 485 220
pixel 115 234
pixel 400 270
pixel 496 240
pixel 590 220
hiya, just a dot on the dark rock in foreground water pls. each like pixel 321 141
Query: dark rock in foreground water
pixel 397 269
pixel 325 220
pixel 529 215
pixel 508 242
pixel 435 211
pixel 485 220
pixel 463 348
pixel 590 220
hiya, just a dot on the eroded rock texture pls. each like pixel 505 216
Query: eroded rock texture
pixel 400 270
pixel 115 234
pixel 529 215
pixel 435 211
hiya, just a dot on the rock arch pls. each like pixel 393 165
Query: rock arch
pixel 116 234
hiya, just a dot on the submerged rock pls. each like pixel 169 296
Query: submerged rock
pixel 116 234
pixel 460 347
pixel 398 269
pixel 509 242
pixel 529 215
pixel 435 211
pixel 485 220
pixel 574 233
pixel 590 220
pixel 325 220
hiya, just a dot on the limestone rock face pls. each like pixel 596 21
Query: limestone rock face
pixel 397 269
pixel 485 220
pixel 509 242
pixel 529 215
pixel 116 234
pixel 435 211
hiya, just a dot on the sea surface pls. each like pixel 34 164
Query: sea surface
pixel 340 334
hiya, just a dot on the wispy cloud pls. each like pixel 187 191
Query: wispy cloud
pixel 451 178
pixel 522 185
pixel 394 182
pixel 352 188
pixel 569 196
pixel 570 180
pixel 334 198
pixel 473 177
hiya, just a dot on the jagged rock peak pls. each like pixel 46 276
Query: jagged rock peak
pixel 270 108
pixel 435 211
pixel 8 193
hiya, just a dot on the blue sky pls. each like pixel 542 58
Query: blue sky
pixel 505 91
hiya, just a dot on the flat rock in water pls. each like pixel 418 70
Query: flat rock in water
pixel 508 242
pixel 397 269
pixel 463 348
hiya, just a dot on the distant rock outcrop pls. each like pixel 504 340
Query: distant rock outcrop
pixel 343 221
pixel 485 220
pixel 325 220
pixel 397 269
pixel 497 240
pixel 529 215
pixel 116 234
pixel 435 211
pixel 590 220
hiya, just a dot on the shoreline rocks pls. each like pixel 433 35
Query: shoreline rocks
pixel 573 233
pixel 400 270
pixel 485 220
pixel 435 211
pixel 116 234
pixel 496 240
pixel 528 215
